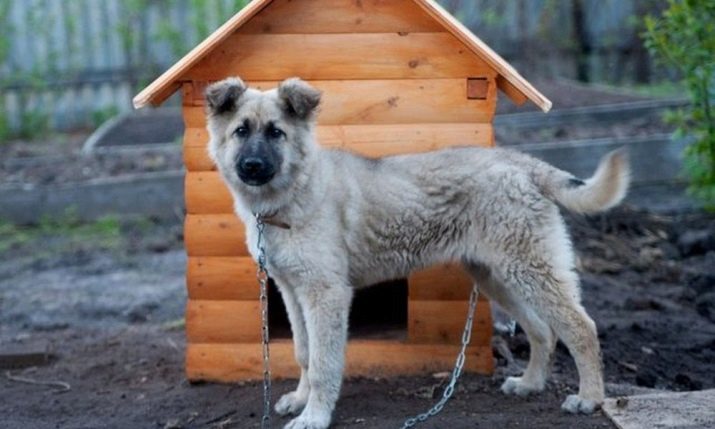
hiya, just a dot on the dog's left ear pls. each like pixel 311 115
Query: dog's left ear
pixel 300 99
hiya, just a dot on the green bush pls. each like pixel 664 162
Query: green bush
pixel 684 38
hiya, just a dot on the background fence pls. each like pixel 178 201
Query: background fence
pixel 72 63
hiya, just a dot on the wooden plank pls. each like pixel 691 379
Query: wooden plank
pixel 511 91
pixel 223 321
pixel 366 140
pixel 446 282
pixel 236 362
pixel 221 278
pixel 214 235
pixel 205 192
pixel 260 57
pixel 481 49
pixel 196 158
pixel 340 16
pixel 360 102
pixel 429 322
pixel 167 83
pixel 442 322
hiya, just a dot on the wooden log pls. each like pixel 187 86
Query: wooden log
pixel 223 321
pixel 340 57
pixel 446 282
pixel 221 278
pixel 205 192
pixel 366 140
pixel 196 158
pixel 373 358
pixel 214 235
pixel 442 322
pixel 356 102
pixel 340 16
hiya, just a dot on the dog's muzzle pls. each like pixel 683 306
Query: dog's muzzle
pixel 255 171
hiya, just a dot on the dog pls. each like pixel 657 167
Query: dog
pixel 336 221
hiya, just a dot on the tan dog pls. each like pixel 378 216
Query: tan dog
pixel 356 221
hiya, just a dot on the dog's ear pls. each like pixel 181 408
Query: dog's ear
pixel 300 99
pixel 221 97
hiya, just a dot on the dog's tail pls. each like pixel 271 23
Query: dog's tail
pixel 604 190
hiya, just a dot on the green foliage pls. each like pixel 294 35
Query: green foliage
pixel 104 233
pixel 33 124
pixel 684 38
pixel 101 116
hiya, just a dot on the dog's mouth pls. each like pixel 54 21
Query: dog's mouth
pixel 257 179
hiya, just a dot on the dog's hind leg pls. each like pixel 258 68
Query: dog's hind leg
pixel 541 338
pixel 325 306
pixel 294 402
pixel 552 293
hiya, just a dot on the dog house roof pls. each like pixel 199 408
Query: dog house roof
pixel 509 80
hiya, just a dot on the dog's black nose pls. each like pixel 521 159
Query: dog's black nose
pixel 255 170
pixel 252 165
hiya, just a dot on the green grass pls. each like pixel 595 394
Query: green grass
pixel 62 233
pixel 658 90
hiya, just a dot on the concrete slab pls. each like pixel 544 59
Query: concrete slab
pixel 671 410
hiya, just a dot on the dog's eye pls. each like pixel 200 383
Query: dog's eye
pixel 275 133
pixel 242 131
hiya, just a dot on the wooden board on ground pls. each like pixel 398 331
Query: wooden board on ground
pixel 235 362
pixel 671 410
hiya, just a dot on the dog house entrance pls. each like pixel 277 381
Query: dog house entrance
pixel 378 312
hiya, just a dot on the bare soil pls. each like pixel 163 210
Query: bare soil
pixel 109 317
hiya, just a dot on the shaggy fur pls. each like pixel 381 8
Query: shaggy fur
pixel 355 222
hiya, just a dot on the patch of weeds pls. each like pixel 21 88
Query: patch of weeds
pixel 13 236
pixel 63 234
pixel 103 233
pixel 100 116
pixel 33 124
pixel 659 90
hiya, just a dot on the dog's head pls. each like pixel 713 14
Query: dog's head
pixel 260 139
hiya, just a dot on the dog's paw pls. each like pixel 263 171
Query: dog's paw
pixel 291 403
pixel 575 404
pixel 311 421
pixel 517 386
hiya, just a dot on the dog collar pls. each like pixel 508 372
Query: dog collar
pixel 271 220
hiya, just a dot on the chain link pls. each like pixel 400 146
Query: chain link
pixel 458 367
pixel 262 276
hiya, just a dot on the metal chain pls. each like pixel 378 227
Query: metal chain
pixel 262 276
pixel 458 367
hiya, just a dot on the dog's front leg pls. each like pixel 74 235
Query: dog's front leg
pixel 326 306
pixel 294 402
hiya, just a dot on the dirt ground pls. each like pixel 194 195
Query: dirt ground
pixel 105 305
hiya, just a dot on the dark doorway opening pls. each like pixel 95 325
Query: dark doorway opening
pixel 378 312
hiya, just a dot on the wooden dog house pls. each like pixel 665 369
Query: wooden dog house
pixel 397 76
